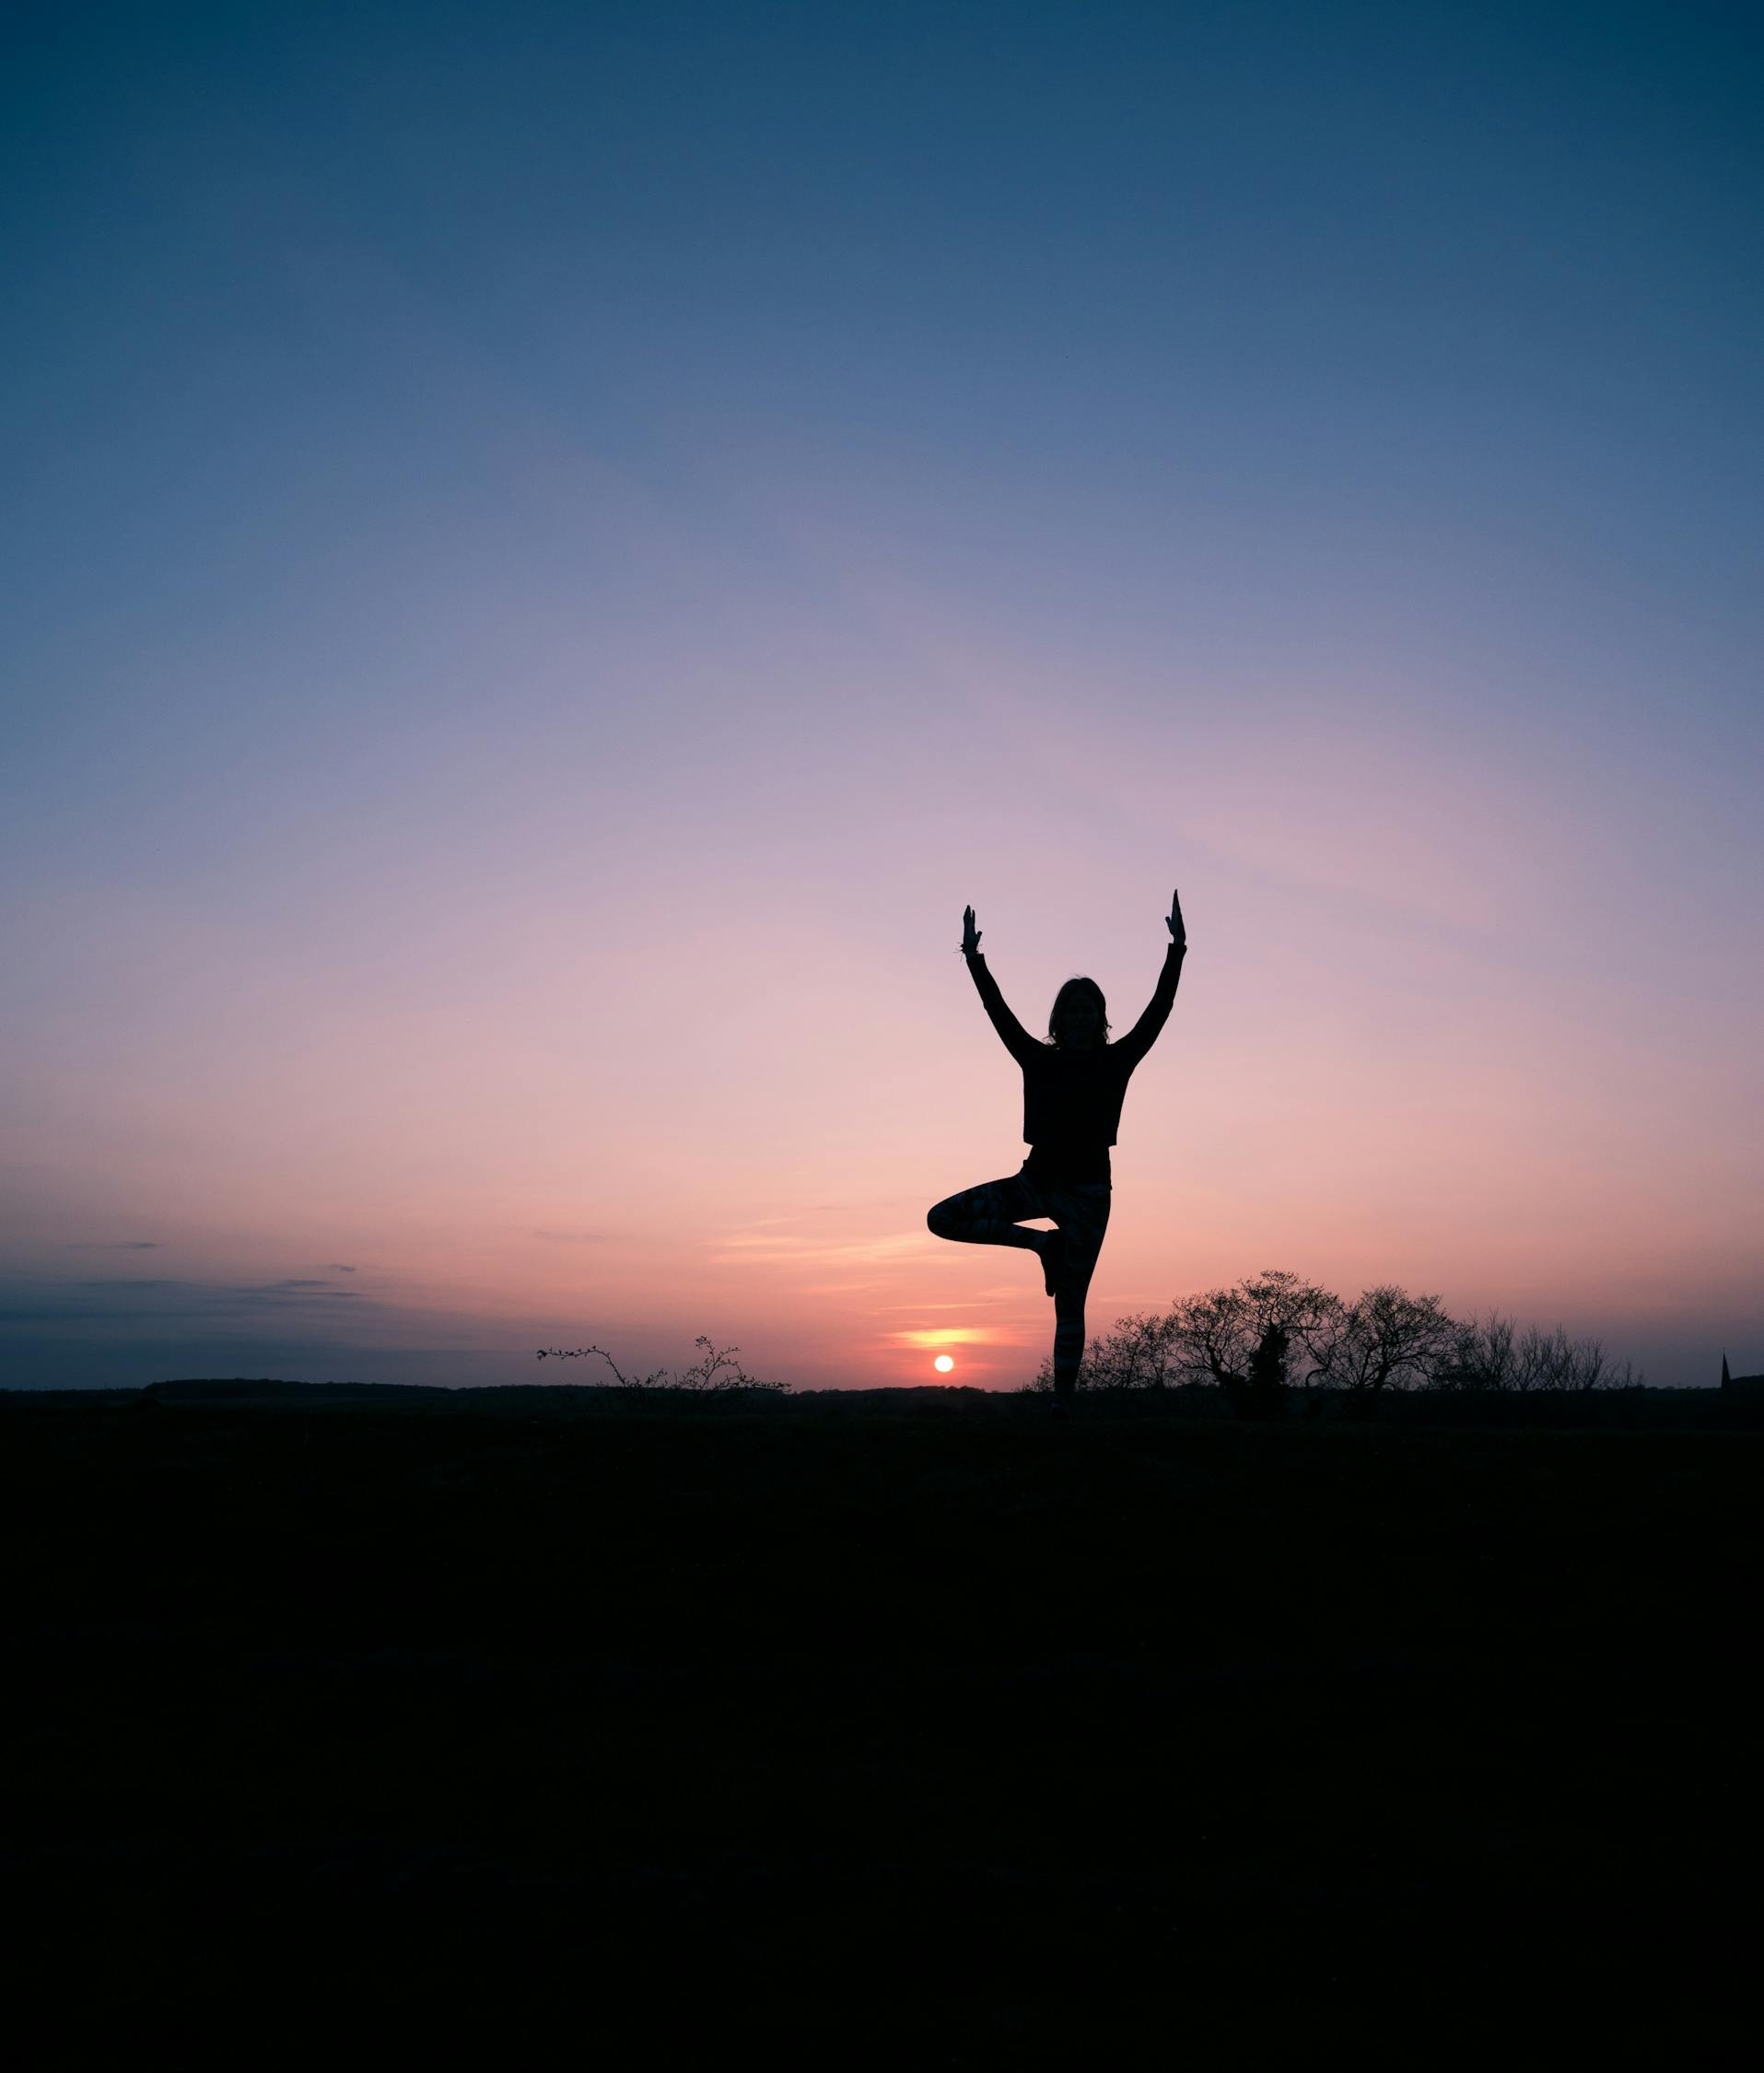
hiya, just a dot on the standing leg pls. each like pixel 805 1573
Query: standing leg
pixel 1083 1213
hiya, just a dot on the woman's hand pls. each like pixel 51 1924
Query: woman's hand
pixel 1178 933
pixel 970 934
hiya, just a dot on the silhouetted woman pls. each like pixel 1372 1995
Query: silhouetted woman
pixel 1072 1090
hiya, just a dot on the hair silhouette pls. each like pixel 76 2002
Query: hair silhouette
pixel 1076 989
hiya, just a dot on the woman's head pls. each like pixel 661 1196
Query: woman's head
pixel 1080 1019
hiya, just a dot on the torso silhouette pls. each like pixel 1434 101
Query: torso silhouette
pixel 1072 1099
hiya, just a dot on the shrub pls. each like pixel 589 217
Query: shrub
pixel 717 1371
pixel 1274 1330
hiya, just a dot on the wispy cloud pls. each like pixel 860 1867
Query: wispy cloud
pixel 806 1251
pixel 937 1337
pixel 143 1300
pixel 974 1302
pixel 770 1242
pixel 127 1280
pixel 113 1245
pixel 127 1330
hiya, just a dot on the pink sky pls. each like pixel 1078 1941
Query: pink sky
pixel 622 1020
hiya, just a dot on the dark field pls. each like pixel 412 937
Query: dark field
pixel 932 1730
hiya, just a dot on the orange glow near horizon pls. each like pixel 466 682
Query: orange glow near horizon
pixel 944 1335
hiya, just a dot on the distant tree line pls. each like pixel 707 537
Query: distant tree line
pixel 1274 1333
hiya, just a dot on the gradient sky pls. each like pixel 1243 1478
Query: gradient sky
pixel 550 550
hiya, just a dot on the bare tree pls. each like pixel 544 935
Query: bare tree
pixel 1139 1352
pixel 1309 1314
pixel 1387 1338
pixel 1483 1358
pixel 1276 1323
pixel 1571 1366
pixel 1142 1352
pixel 1212 1336
pixel 1492 1357
pixel 1216 1333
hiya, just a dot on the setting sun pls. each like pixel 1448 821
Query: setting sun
pixel 943 1364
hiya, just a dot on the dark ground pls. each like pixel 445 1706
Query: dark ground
pixel 922 1728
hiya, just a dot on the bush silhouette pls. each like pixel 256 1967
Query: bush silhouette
pixel 1273 1335
pixel 716 1373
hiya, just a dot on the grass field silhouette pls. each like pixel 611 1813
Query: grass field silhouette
pixel 847 1721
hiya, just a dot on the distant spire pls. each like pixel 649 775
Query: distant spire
pixel 1724 1378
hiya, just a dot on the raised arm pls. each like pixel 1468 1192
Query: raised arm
pixel 1017 1040
pixel 1139 1039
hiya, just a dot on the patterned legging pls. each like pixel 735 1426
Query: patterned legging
pixel 990 1214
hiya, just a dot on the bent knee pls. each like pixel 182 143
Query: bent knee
pixel 938 1220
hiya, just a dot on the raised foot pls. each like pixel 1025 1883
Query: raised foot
pixel 1052 1249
